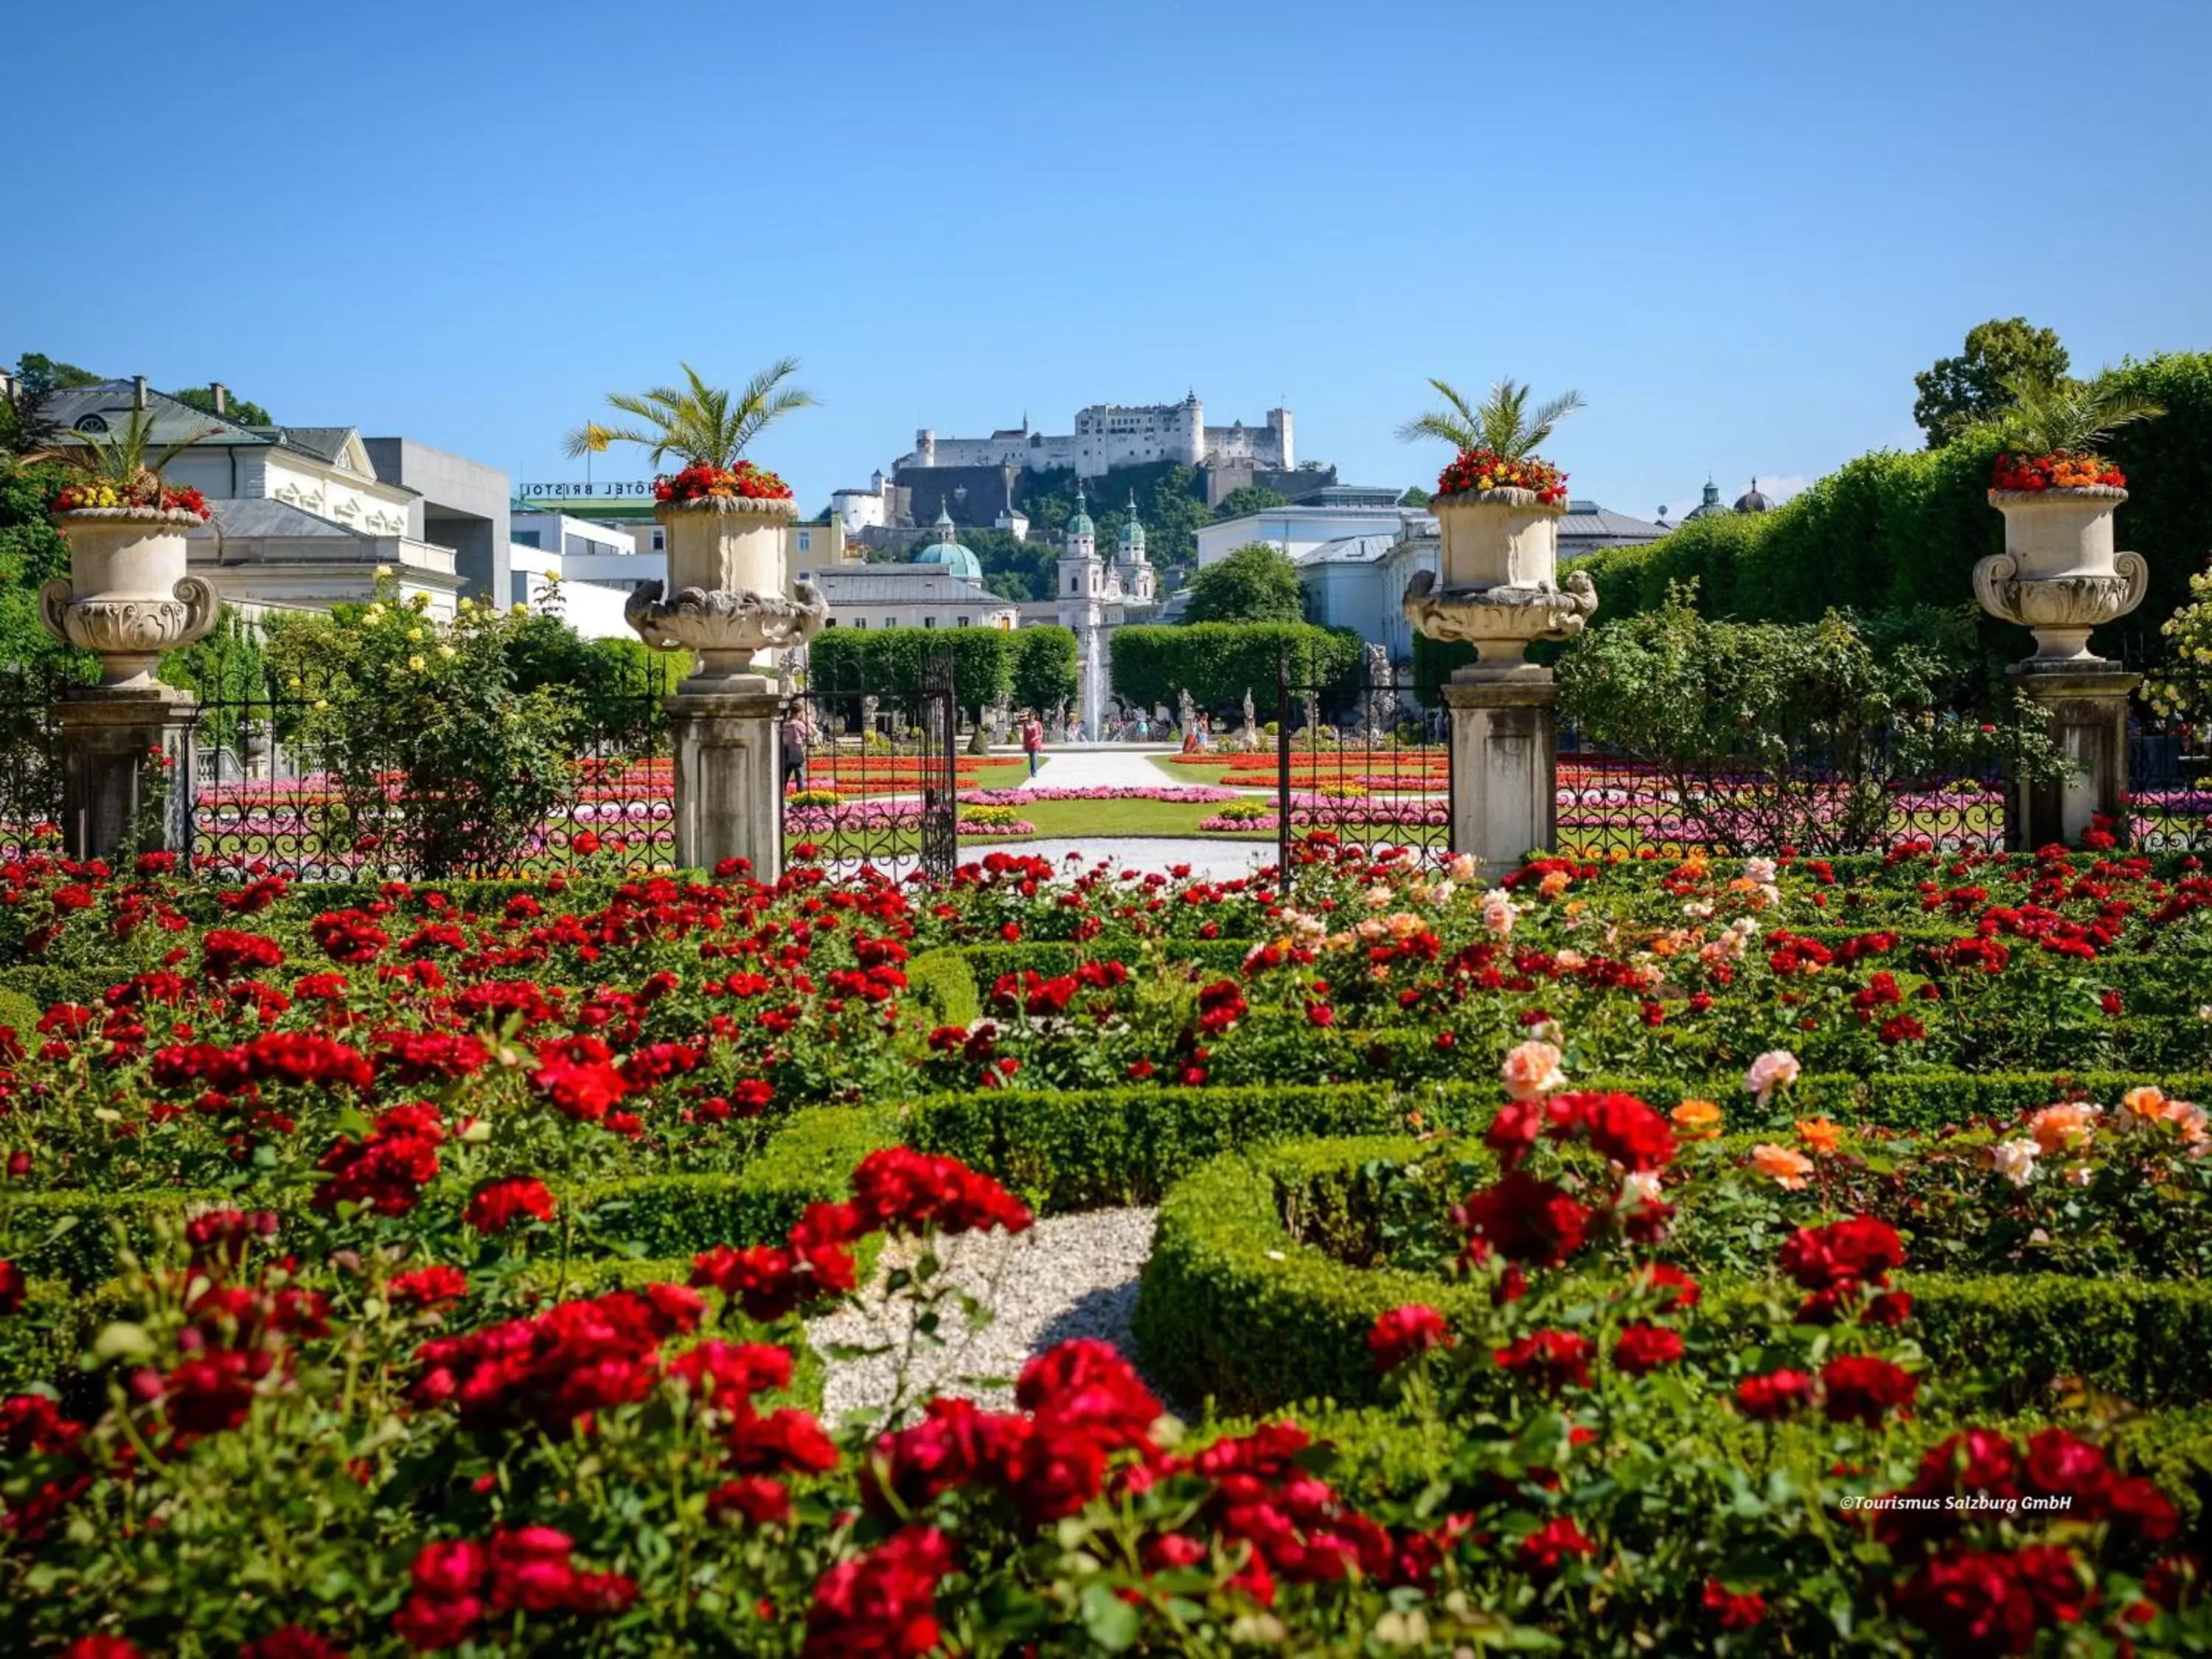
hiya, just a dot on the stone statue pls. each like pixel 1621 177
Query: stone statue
pixel 868 714
pixel 1251 718
pixel 1313 712
pixel 1382 699
pixel 1187 713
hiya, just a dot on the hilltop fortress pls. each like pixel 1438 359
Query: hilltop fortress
pixel 1109 435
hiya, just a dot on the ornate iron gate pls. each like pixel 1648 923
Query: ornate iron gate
pixel 1358 763
pixel 879 784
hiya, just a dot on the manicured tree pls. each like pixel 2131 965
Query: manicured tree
pixel 1044 667
pixel 1253 584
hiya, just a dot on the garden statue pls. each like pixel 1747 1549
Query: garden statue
pixel 867 716
pixel 1312 699
pixel 1187 713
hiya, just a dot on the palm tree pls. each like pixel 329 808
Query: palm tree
pixel 124 459
pixel 2048 414
pixel 1501 421
pixel 700 422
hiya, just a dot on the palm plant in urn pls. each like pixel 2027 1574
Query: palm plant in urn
pixel 1498 506
pixel 127 596
pixel 728 593
pixel 2059 575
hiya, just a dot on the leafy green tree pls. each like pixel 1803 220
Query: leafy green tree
pixel 244 410
pixel 697 422
pixel 1965 391
pixel 1414 496
pixel 1255 583
pixel 1502 422
pixel 1044 667
pixel 40 374
pixel 1248 498
pixel 1217 662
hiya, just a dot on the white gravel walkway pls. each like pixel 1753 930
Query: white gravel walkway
pixel 1079 766
pixel 1068 1276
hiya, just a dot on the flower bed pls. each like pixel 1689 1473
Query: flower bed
pixel 469 1226
pixel 700 482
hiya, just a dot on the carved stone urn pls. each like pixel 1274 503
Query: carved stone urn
pixel 726 596
pixel 1499 588
pixel 2058 574
pixel 127 596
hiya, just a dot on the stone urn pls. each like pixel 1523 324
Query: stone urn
pixel 2058 574
pixel 127 596
pixel 727 595
pixel 1498 589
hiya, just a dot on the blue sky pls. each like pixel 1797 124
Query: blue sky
pixel 1737 230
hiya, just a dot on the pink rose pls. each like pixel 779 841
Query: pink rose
pixel 1777 1068
pixel 1532 1069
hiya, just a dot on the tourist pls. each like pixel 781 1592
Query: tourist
pixel 1032 738
pixel 795 738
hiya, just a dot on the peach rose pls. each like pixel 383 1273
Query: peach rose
pixel 1532 1069
pixel 1785 1167
pixel 2058 1128
pixel 1777 1068
pixel 1554 884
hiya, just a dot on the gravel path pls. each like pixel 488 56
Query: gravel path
pixel 1068 1276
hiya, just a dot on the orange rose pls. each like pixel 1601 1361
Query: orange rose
pixel 1696 1120
pixel 2057 1129
pixel 1823 1135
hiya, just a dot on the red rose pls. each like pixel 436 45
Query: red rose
pixel 1864 1389
pixel 1400 1334
pixel 1641 1348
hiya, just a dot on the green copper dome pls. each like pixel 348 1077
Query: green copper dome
pixel 949 554
pixel 1080 525
pixel 1132 534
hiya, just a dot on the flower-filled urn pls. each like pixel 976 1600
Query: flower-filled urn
pixel 128 598
pixel 728 593
pixel 1499 587
pixel 2059 576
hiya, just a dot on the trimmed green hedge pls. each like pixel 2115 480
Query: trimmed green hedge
pixel 1237 1310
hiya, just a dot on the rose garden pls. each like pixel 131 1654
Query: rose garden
pixel 1732 1186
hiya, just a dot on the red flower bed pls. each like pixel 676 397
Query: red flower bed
pixel 701 482
pixel 1473 470
pixel 2060 469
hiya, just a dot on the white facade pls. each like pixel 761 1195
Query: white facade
pixel 1296 531
pixel 1108 436
pixel 863 509
pixel 908 596
pixel 1096 595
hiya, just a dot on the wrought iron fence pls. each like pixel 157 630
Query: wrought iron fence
pixel 30 764
pixel 1359 763
pixel 872 775
pixel 2170 769
pixel 1789 801
pixel 279 786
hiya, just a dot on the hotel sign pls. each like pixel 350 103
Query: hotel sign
pixel 603 490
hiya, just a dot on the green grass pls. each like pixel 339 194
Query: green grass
pixel 1077 819
pixel 1212 772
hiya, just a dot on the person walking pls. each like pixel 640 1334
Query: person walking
pixel 795 736
pixel 1032 738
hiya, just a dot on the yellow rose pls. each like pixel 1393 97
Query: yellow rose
pixel 382 571
pixel 447 653
pixel 415 662
pixel 415 635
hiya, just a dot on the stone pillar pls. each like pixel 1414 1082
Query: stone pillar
pixel 729 776
pixel 2088 709
pixel 126 769
pixel 1504 754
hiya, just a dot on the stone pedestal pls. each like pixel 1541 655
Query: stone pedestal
pixel 2088 707
pixel 729 776
pixel 1505 741
pixel 126 777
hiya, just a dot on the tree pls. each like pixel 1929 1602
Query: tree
pixel 1255 584
pixel 40 374
pixel 702 424
pixel 1414 496
pixel 1967 389
pixel 1501 422
pixel 1044 667
pixel 1248 498
pixel 2045 417
pixel 244 410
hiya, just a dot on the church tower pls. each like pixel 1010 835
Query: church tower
pixel 1134 570
pixel 1082 593
pixel 1082 578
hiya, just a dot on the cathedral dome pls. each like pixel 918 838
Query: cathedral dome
pixel 949 554
pixel 1752 501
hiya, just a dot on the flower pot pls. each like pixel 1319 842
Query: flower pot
pixel 727 595
pixel 1499 589
pixel 127 596
pixel 1498 537
pixel 2058 574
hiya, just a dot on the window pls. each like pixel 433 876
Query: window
pixel 929 621
pixel 524 539
pixel 961 622
pixel 859 622
pixel 830 623
pixel 891 622
pixel 807 541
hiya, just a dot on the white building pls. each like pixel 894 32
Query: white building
pixel 941 586
pixel 876 507
pixel 1096 596
pixel 300 518
pixel 1296 530
pixel 1108 435
pixel 582 570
